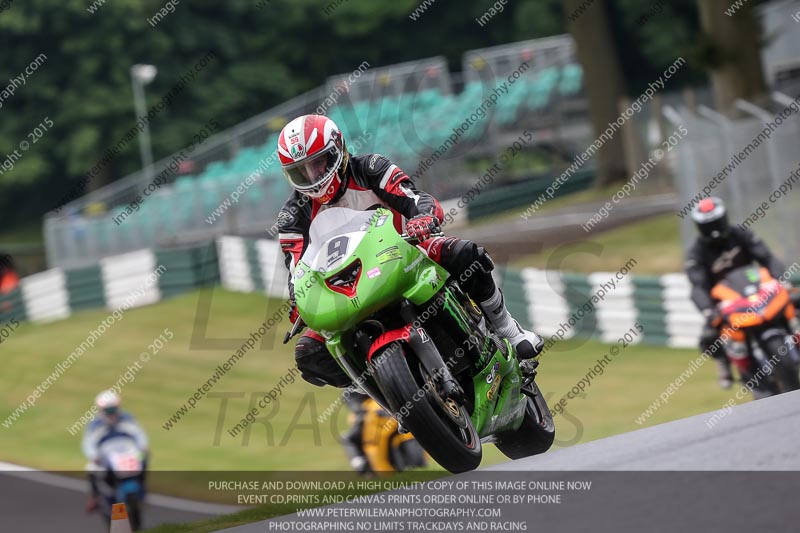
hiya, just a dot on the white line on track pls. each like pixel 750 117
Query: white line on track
pixel 80 485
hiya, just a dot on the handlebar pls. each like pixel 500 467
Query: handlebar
pixel 297 327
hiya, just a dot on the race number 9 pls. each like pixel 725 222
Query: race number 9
pixel 337 249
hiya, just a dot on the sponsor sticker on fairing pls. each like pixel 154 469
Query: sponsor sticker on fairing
pixel 492 373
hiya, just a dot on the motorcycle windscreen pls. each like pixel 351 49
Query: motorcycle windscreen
pixel 122 456
pixel 334 234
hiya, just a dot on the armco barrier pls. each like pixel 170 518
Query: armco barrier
pixel 248 265
pixel 12 307
pixel 562 302
pixel 85 288
pixel 55 294
pixel 187 269
pixel 546 301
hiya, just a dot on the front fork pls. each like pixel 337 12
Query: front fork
pixel 420 342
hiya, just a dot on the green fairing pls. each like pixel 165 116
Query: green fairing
pixel 325 310
pixel 506 408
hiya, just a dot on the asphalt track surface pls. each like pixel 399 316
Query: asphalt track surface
pixel 42 502
pixel 760 435
pixel 739 475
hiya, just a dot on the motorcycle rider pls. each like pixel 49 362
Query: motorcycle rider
pixel 9 279
pixel 109 423
pixel 719 249
pixel 323 174
pixel 373 442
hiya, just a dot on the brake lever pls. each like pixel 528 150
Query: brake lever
pixel 409 239
pixel 297 327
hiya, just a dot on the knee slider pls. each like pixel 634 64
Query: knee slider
pixel 485 260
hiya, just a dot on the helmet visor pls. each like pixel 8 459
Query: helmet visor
pixel 309 173
pixel 715 229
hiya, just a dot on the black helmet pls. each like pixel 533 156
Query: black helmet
pixel 711 218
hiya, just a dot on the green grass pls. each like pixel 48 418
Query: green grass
pixel 40 437
pixel 629 384
pixel 655 243
pixel 221 522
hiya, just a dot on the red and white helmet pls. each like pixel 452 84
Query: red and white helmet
pixel 313 156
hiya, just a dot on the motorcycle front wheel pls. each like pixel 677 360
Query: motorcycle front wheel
pixel 134 507
pixel 784 372
pixel 441 426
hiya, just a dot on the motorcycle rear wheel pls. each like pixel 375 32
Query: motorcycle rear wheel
pixel 442 427
pixel 537 432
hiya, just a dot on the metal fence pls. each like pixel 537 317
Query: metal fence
pixel 781 62
pixel 177 214
pixel 738 161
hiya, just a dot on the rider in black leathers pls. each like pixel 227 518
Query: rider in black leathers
pixel 719 249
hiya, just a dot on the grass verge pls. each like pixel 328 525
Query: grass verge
pixel 655 243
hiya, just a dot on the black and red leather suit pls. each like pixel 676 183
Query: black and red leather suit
pixel 372 180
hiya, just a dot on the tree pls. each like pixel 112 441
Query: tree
pixel 603 80
pixel 732 45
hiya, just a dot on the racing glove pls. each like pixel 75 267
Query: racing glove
pixel 710 332
pixel 422 226
pixel 713 318
pixel 293 313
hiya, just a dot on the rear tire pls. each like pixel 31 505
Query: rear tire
pixel 784 372
pixel 537 432
pixel 456 447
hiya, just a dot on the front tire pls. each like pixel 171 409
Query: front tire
pixel 537 432
pixel 443 428
pixel 784 373
pixel 134 508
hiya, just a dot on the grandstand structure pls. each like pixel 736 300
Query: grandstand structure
pixel 443 129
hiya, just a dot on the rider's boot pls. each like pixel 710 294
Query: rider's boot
pixel 794 328
pixel 724 375
pixel 91 503
pixel 526 343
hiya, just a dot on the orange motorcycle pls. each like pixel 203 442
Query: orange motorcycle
pixel 758 321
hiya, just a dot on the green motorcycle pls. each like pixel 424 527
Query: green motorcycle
pixel 412 339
